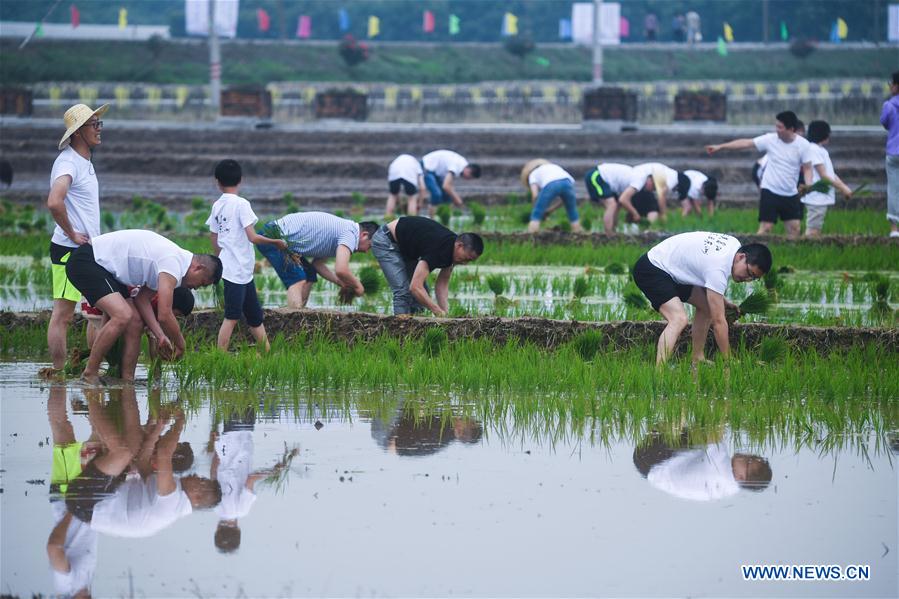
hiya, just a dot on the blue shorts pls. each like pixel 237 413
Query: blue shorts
pixel 288 271
pixel 241 299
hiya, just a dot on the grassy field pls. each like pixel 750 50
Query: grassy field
pixel 248 63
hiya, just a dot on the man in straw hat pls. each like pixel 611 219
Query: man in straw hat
pixel 74 203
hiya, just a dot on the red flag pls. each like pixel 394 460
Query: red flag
pixel 428 22
pixel 76 16
pixel 304 26
pixel 262 18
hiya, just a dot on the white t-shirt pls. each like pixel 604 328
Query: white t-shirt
pixel 696 474
pixel 696 181
pixel 545 174
pixel 785 162
pixel 230 216
pixel 80 548
pixel 235 454
pixel 83 198
pixel 698 258
pixel 440 162
pixel 618 176
pixel 648 169
pixel 136 257
pixel 404 167
pixel 816 198
pixel 135 510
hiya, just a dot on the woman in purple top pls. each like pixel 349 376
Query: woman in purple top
pixel 889 118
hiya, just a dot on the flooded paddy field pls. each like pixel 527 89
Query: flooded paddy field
pixel 409 492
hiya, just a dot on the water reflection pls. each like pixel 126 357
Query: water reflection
pixel 699 473
pixel 411 429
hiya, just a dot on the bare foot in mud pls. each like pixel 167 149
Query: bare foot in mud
pixel 94 380
pixel 50 373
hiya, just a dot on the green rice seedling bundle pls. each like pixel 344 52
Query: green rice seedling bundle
pixel 861 191
pixel 290 255
pixel 524 216
pixel 444 213
pixel 772 280
pixel 478 213
pixel 634 298
pixel 497 284
pixel 758 302
pixel 819 186
pixel 346 295
pixel 580 288
pixel 587 344
pixel 433 341
pixel 773 350
pixel 371 279
pixel 616 268
pixel 278 476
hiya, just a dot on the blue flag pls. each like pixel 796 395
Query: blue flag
pixel 835 33
pixel 564 29
pixel 344 19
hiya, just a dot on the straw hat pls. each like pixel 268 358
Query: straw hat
pixel 75 117
pixel 661 183
pixel 528 168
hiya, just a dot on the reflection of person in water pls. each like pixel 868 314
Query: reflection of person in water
pixel 72 545
pixel 703 473
pixel 410 434
pixel 232 467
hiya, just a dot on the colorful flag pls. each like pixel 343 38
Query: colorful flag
pixel 834 33
pixel 454 25
pixel 76 16
pixel 784 33
pixel 343 17
pixel 510 24
pixel 624 27
pixel 123 18
pixel 722 46
pixel 564 29
pixel 728 32
pixel 38 29
pixel 263 19
pixel 374 26
pixel 304 26
pixel 842 29
pixel 427 22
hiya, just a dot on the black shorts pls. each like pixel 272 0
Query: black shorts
pixel 756 168
pixel 409 188
pixel 683 186
pixel 92 280
pixel 88 489
pixel 657 285
pixel 242 299
pixel 772 206
pixel 597 187
pixel 645 202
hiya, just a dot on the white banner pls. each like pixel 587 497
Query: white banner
pixel 893 26
pixel 196 17
pixel 582 23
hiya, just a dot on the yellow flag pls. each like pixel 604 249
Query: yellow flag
pixel 728 32
pixel 842 28
pixel 510 24
pixel 374 26
pixel 123 18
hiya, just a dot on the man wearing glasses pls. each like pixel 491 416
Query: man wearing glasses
pixel 74 203
pixel 695 268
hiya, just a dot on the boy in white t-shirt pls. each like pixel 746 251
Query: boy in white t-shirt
pixel 817 202
pixel 695 268
pixel 789 154
pixel 441 169
pixel 232 233
pixel 546 183
pixel 404 173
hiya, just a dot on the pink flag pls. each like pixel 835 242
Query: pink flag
pixel 625 30
pixel 263 19
pixel 428 22
pixel 76 17
pixel 304 27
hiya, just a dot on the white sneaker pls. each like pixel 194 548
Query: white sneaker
pixel 894 233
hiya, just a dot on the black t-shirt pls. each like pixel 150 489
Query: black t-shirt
pixel 421 238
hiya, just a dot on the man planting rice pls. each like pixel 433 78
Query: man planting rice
pixel 409 248
pixel 695 268
pixel 405 174
pixel 441 169
pixel 102 271
pixel 646 195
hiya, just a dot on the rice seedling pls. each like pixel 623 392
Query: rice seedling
pixel 771 280
pixel 478 213
pixel 819 186
pixel 616 268
pixel 277 477
pixel 497 284
pixel 758 302
pixel 634 298
pixel 587 344
pixel 580 288
pixel 273 231
pixel 444 213
pixel 433 342
pixel 773 350
pixel 371 279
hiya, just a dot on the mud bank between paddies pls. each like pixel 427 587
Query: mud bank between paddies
pixel 356 327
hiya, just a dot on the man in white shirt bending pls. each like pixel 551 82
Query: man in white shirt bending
pixel 104 269
pixel 788 155
pixel 74 203
pixel 695 268
pixel 441 169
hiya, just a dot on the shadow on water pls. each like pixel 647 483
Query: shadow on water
pixel 319 493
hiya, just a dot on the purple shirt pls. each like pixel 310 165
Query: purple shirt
pixel 889 118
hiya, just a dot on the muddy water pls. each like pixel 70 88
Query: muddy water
pixel 386 498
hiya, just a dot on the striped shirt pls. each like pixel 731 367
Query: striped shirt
pixel 317 234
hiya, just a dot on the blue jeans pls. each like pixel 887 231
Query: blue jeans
pixel 561 188
pixel 398 271
pixel 435 189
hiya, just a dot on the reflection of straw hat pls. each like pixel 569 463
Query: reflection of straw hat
pixel 75 118
pixel 528 168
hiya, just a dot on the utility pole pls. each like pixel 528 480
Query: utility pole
pixel 765 21
pixel 597 43
pixel 215 62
